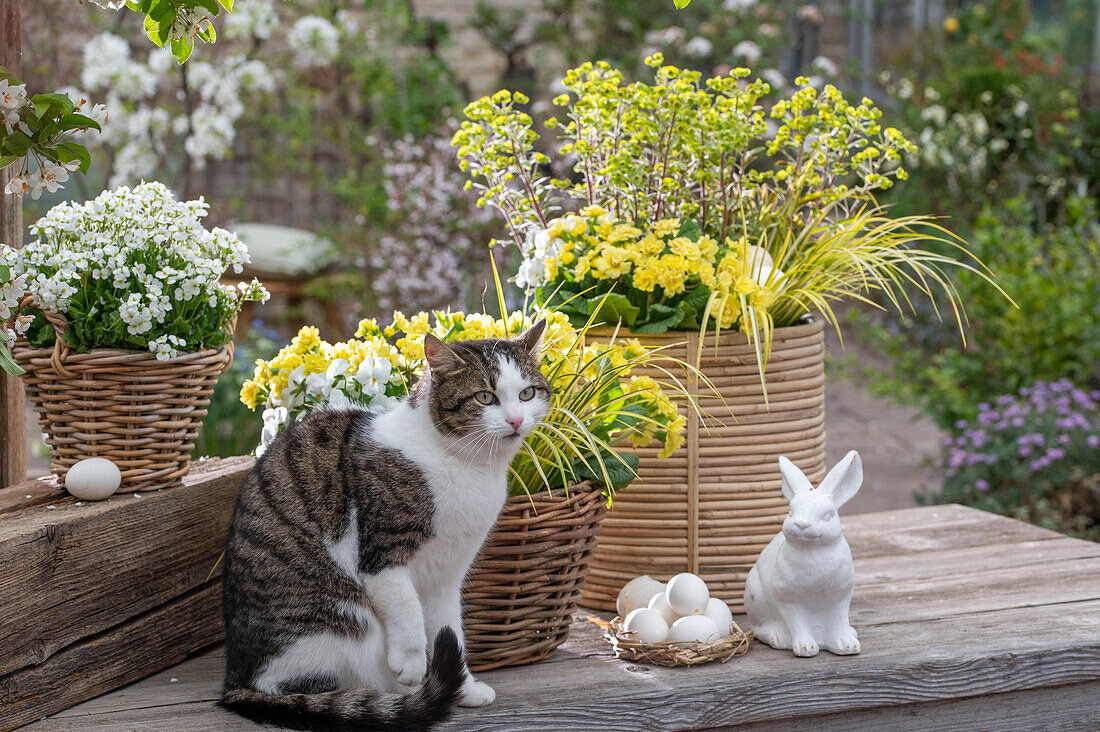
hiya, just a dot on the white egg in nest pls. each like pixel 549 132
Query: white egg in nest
pixel 719 612
pixel 646 626
pixel 659 604
pixel 687 594
pixel 637 593
pixel 93 479
pixel 694 629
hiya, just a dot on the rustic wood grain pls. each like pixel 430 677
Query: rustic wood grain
pixel 1007 640
pixel 131 651
pixel 13 426
pixel 74 571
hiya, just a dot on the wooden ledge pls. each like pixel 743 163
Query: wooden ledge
pixel 99 594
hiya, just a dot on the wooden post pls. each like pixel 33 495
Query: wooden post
pixel 13 424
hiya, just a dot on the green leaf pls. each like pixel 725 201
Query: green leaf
pixel 163 10
pixel 69 151
pixel 210 5
pixel 697 298
pixel 182 48
pixel 661 318
pixel 7 364
pixel 227 4
pixel 76 122
pixel 5 273
pixel 689 228
pixel 681 4
pixel 612 308
pixel 154 31
pixel 6 160
pixel 43 103
pixel 620 475
pixel 17 143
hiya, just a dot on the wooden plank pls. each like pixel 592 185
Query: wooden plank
pixel 934 649
pixel 156 640
pixel 1074 707
pixel 583 687
pixel 13 425
pixel 74 571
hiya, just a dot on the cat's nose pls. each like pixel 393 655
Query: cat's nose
pixel 515 421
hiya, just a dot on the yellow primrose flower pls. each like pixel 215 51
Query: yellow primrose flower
pixel 685 247
pixel 666 227
pixel 593 212
pixel 612 263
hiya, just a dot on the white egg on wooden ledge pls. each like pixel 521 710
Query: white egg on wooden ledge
pixel 694 629
pixel 93 479
pixel 687 594
pixel 646 625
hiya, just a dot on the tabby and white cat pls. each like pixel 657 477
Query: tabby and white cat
pixel 351 539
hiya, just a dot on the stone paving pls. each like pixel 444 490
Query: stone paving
pixel 898 445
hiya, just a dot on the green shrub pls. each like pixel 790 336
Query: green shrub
pixel 1054 277
pixel 230 428
pixel 1033 455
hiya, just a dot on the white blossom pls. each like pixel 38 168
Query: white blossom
pixel 315 41
pixel 698 47
pixel 748 51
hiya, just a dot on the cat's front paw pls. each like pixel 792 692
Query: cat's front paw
pixel 408 663
pixel 476 694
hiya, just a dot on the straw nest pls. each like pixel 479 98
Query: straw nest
pixel 674 654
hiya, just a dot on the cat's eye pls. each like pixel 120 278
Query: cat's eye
pixel 527 394
pixel 485 397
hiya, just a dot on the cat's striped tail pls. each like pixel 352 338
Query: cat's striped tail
pixel 363 709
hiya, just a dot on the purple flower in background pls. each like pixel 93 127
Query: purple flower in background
pixel 1025 450
pixel 981 485
pixel 1055 453
pixel 1094 441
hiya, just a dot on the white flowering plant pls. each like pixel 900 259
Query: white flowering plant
pixel 11 325
pixel 133 269
pixel 38 134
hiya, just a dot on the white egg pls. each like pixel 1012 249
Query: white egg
pixel 659 604
pixel 773 273
pixel 647 626
pixel 694 629
pixel 759 258
pixel 687 594
pixel 93 479
pixel 637 593
pixel 719 612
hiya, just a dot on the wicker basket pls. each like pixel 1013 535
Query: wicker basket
pixel 675 654
pixel 712 506
pixel 523 588
pixel 126 406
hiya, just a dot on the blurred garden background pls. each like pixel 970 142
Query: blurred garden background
pixel 320 131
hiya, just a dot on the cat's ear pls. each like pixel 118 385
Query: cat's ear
pixel 442 359
pixel 532 337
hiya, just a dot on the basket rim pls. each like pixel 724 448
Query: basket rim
pixel 557 495
pixel 130 354
pixel 808 326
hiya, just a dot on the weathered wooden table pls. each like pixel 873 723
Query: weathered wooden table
pixel 968 621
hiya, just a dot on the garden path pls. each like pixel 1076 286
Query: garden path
pixel 898 445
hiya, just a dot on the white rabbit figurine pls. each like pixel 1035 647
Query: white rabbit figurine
pixel 797 594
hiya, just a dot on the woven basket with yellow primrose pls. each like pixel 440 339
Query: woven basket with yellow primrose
pixel 713 505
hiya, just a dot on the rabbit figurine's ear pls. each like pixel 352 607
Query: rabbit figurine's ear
pixel 844 480
pixel 794 480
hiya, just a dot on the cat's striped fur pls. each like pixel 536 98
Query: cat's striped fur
pixel 352 536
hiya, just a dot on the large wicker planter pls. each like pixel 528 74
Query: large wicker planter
pixel 126 406
pixel 520 595
pixel 712 506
